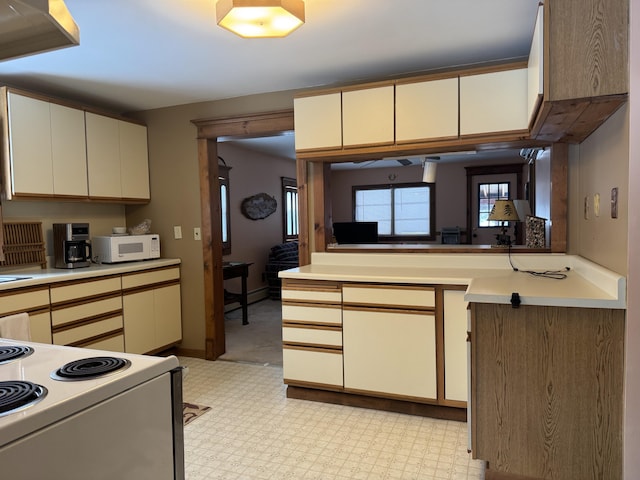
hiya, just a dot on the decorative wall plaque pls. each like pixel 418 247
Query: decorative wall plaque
pixel 258 206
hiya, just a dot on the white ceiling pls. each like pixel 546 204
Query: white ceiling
pixel 146 54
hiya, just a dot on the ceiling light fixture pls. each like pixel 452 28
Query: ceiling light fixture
pixel 260 18
pixel 429 167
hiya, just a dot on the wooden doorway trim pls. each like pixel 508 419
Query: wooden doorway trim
pixel 209 130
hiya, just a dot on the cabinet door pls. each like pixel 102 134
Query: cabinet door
pixel 493 102
pixel 69 151
pixel 427 110
pixel 134 160
pixel 318 121
pixel 139 322
pixel 368 116
pixel 168 316
pixel 390 352
pixel 535 68
pixel 455 346
pixel 40 325
pixel 103 156
pixel 30 145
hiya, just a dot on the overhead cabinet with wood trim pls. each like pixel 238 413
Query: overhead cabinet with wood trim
pixel 367 116
pixel 318 121
pixel 426 110
pixel 78 155
pixel 493 102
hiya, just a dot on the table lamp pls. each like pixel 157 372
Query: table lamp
pixel 503 211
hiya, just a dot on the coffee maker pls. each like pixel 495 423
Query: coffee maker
pixel 71 247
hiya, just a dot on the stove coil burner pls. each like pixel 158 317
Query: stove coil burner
pixel 88 368
pixel 9 353
pixel 16 395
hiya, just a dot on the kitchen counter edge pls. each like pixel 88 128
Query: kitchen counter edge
pixel 35 277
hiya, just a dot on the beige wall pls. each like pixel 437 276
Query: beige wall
pixel 175 191
pixel 252 173
pixel 101 217
pixel 597 165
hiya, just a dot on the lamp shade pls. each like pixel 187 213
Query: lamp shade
pixel 504 211
pixel 260 18
pixel 429 172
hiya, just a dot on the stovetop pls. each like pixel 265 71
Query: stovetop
pixel 66 396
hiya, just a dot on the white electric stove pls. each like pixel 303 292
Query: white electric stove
pixel 66 411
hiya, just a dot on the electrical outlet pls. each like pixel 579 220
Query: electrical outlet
pixel 196 233
pixel 177 232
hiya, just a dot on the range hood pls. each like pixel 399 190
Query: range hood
pixel 34 26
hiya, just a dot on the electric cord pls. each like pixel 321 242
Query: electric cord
pixel 552 274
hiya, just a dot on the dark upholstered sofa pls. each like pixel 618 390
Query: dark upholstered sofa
pixel 281 257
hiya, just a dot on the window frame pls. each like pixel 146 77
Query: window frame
pixel 290 186
pixel 493 223
pixel 393 237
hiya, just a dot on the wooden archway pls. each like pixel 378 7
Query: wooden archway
pixel 209 130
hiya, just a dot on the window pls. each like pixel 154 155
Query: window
pixel 488 193
pixel 223 182
pixel 290 209
pixel 403 211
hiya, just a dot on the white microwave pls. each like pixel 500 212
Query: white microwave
pixel 125 248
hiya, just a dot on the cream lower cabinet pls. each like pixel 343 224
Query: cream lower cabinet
pixel 389 335
pixel 35 302
pixel 455 344
pixel 152 310
pixel 312 334
pixel 88 313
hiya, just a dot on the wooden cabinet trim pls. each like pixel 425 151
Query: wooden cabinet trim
pixel 310 285
pixel 96 338
pixel 313 385
pixel 311 303
pixel 86 321
pixel 309 348
pixel 315 326
pixel 84 300
pixel 373 307
pixel 83 281
pixel 150 286
pixel 405 398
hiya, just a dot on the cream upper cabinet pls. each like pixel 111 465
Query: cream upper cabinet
pixel 69 151
pixel 30 145
pixel 427 110
pixel 103 156
pixel 117 158
pixel 455 346
pixel 368 116
pixel 493 102
pixel 535 68
pixel 134 160
pixel 318 121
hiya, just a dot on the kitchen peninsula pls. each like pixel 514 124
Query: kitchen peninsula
pixel 546 351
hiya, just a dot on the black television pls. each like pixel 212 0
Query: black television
pixel 355 232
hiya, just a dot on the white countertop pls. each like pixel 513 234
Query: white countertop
pixel 38 276
pixel 490 277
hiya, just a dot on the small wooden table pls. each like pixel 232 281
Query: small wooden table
pixel 234 270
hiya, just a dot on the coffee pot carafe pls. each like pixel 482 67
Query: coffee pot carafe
pixel 71 247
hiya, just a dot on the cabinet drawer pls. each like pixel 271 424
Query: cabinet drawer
pixel 312 314
pixel 82 332
pixel 26 300
pixel 312 367
pixel 80 290
pixel 327 296
pixel 111 344
pixel 85 310
pixel 389 296
pixel 312 336
pixel 149 278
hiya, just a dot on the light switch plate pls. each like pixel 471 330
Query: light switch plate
pixel 177 232
pixel 196 233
